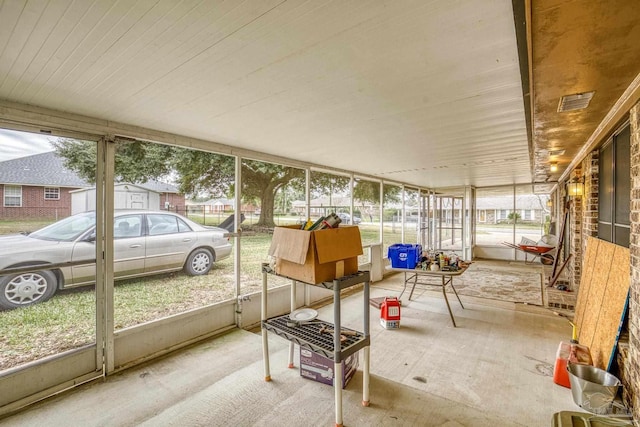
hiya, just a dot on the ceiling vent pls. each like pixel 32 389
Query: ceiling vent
pixel 574 102
pixel 558 152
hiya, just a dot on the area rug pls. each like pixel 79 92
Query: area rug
pixel 503 283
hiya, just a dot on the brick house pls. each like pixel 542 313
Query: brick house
pixel 37 186
pixel 40 186
pixel 496 209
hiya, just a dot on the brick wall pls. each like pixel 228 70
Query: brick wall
pixel 632 365
pixel 34 205
pixel 584 214
pixel 590 166
pixel 176 201
pixel 576 209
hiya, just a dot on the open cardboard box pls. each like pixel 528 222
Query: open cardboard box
pixel 316 256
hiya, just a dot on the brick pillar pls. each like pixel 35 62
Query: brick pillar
pixel 591 167
pixel 576 208
pixel 632 367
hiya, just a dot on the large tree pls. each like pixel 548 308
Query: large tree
pixel 197 173
pixel 135 162
pixel 263 181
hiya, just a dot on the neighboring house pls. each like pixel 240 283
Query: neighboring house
pixel 496 209
pixel 37 186
pixel 40 186
pixel 325 204
pixel 218 206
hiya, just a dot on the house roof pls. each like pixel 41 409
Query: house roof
pixel 48 169
pixel 39 169
pixel 160 187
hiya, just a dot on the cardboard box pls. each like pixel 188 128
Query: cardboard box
pixel 319 368
pixel 316 256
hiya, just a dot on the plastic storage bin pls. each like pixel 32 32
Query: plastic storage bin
pixel 404 255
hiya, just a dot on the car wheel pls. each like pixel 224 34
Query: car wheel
pixel 199 262
pixel 21 290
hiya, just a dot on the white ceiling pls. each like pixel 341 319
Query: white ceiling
pixel 422 92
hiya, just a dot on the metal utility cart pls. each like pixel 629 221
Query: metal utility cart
pixel 309 336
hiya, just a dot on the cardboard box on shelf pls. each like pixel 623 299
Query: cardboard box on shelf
pixel 319 368
pixel 316 256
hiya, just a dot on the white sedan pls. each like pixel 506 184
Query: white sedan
pixel 145 243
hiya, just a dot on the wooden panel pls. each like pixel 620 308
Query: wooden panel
pixel 601 269
pixel 611 308
pixel 585 280
pixel 601 298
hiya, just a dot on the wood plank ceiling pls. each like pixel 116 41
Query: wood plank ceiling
pixel 427 93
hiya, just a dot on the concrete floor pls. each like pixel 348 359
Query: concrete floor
pixel 494 369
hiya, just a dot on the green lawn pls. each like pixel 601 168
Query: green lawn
pixel 68 320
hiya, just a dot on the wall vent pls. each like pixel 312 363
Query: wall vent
pixel 574 102
pixel 558 152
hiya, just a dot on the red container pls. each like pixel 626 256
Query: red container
pixel 569 351
pixel 390 313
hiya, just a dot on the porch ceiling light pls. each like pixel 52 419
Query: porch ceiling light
pixel 574 102
pixel 553 167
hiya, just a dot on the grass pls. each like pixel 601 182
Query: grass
pixel 17 226
pixel 67 321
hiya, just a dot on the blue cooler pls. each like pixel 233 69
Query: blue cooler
pixel 404 255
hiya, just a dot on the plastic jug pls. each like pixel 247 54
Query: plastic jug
pixel 573 352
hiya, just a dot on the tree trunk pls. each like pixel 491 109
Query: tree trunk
pixel 267 201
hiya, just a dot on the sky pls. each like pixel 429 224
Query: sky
pixel 14 144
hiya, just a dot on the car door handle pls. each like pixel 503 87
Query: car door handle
pixel 135 246
pixel 186 239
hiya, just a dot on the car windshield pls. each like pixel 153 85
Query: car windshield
pixel 67 229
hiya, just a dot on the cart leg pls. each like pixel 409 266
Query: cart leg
pixel 365 377
pixel 337 353
pixel 447 301
pixel 293 307
pixel 265 355
pixel 265 340
pixel 365 367
pixel 337 387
